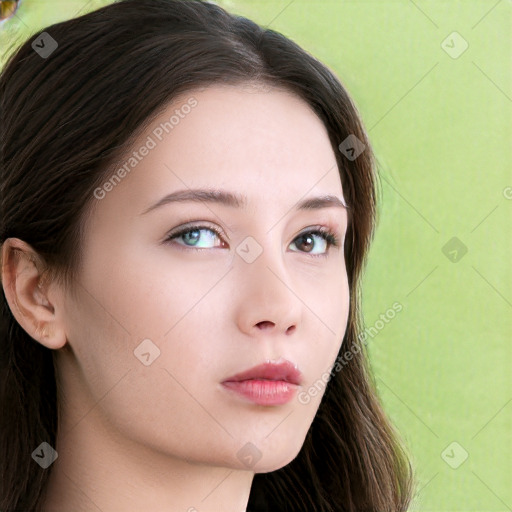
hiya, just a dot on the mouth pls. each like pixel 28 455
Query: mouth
pixel 266 384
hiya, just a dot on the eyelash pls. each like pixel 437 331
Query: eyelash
pixel 325 233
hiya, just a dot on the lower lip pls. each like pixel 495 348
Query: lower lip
pixel 264 392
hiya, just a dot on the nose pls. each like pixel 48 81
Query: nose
pixel 267 303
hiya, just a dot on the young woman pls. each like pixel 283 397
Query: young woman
pixel 187 201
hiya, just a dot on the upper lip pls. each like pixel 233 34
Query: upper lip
pixel 271 370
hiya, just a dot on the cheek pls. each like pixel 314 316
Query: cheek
pixel 330 324
pixel 133 295
pixel 156 404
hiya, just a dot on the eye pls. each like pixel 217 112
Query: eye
pixel 193 235
pixel 327 237
pixel 193 238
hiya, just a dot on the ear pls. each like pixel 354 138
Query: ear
pixel 28 296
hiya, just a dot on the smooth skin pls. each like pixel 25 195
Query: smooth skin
pixel 167 436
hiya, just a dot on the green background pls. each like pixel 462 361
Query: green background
pixel 440 124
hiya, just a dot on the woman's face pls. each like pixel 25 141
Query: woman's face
pixel 158 326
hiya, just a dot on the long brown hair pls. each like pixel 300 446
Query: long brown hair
pixel 67 117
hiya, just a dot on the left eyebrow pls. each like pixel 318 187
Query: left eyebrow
pixel 234 200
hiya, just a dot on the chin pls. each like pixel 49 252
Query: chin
pixel 275 461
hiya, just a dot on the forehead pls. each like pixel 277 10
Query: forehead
pixel 267 144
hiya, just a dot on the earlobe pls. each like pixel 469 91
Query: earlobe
pixel 27 296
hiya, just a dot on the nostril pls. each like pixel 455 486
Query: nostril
pixel 264 324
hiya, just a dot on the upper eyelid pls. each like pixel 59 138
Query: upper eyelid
pixel 328 222
pixel 190 226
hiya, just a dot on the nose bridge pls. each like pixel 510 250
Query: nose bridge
pixel 262 255
pixel 268 291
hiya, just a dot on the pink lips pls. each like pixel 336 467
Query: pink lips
pixel 267 384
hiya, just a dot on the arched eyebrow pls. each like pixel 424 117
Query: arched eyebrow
pixel 235 200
